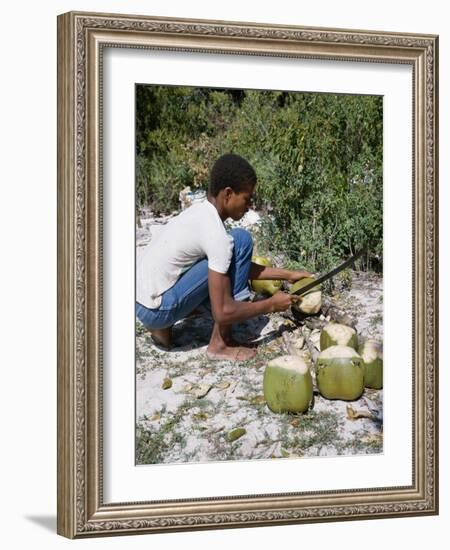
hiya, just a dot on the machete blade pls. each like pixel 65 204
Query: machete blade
pixel 330 274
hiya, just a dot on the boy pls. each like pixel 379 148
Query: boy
pixel 194 259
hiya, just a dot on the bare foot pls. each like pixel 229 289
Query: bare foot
pixel 235 343
pixel 228 340
pixel 230 353
pixel 162 337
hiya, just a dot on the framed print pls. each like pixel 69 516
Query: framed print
pixel 206 171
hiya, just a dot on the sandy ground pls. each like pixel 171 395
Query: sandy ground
pixel 187 407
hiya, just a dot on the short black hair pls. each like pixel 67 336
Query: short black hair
pixel 231 171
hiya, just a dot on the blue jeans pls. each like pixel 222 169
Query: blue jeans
pixel 191 289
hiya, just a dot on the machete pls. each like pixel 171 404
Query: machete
pixel 330 274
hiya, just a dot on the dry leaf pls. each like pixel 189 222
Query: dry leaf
pixel 202 390
pixel 223 385
pixel 295 423
pixel 200 416
pixel 236 434
pixel 257 400
pixel 155 417
pixel 354 415
pixel 167 383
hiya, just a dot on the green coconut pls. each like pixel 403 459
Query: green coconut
pixel 372 356
pixel 265 286
pixel 288 384
pixel 340 373
pixel 335 334
pixel 311 301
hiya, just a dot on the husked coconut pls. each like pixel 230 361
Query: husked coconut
pixel 268 286
pixel 288 384
pixel 340 373
pixel 311 302
pixel 335 334
pixel 372 356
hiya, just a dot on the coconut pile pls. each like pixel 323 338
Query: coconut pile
pixel 314 388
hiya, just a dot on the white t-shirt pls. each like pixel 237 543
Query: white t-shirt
pixel 196 233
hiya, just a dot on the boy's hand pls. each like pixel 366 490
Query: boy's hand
pixel 294 276
pixel 281 301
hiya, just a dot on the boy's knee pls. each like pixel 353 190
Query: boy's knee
pixel 242 239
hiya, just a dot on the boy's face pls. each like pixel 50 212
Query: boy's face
pixel 237 204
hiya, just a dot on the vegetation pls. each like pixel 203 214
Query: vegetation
pixel 318 158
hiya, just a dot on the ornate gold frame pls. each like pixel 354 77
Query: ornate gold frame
pixel 81 510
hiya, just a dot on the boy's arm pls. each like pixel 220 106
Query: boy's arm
pixel 263 272
pixel 226 310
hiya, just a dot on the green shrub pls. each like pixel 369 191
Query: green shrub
pixel 318 158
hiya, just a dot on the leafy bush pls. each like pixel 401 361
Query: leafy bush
pixel 318 158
